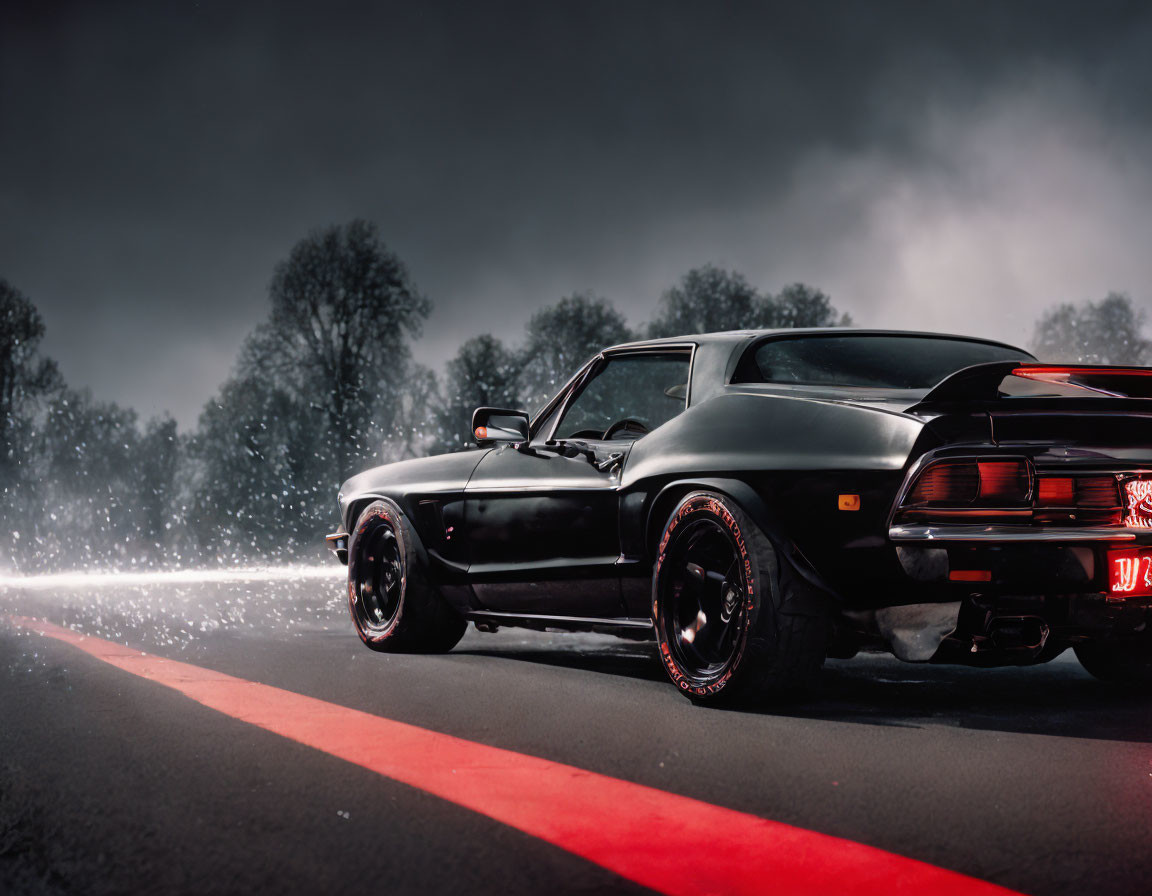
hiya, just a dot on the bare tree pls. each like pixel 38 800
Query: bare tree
pixel 800 305
pixel 484 373
pixel 1104 332
pixel 343 311
pixel 26 378
pixel 317 388
pixel 561 337
pixel 89 452
pixel 27 382
pixel 709 299
pixel 259 482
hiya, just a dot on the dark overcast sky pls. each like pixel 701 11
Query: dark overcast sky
pixel 954 166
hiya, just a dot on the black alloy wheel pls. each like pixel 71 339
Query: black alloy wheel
pixel 379 577
pixel 703 591
pixel 395 606
pixel 731 620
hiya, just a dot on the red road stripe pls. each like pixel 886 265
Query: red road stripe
pixel 670 843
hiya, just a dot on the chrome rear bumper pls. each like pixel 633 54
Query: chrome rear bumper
pixel 1016 533
pixel 338 545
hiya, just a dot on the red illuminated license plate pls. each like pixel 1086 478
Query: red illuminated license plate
pixel 1130 572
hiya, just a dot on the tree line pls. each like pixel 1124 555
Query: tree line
pixel 326 385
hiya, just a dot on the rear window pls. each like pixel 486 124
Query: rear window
pixel 886 362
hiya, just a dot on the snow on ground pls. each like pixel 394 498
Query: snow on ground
pixel 178 608
pixel 175 608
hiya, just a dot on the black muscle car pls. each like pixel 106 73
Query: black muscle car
pixel 759 500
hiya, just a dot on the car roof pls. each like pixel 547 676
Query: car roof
pixel 743 337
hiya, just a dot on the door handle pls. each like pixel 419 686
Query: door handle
pixel 608 462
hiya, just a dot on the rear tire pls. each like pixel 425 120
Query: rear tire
pixel 731 621
pixel 394 607
pixel 1127 663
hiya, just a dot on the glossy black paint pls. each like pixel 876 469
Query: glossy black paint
pixel 536 516
pixel 541 529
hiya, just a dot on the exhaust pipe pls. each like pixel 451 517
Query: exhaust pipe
pixel 1018 633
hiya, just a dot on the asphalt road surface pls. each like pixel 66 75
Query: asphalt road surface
pixel 120 773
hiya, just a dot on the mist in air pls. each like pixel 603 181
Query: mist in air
pixel 509 190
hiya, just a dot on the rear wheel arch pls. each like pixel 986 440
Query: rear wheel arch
pixel 771 642
pixel 674 492
pixel 753 506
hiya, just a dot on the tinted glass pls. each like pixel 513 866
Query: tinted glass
pixel 650 389
pixel 543 425
pixel 889 362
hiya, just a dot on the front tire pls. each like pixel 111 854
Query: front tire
pixel 731 623
pixel 394 607
pixel 1127 663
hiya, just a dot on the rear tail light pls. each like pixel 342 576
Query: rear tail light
pixel 1056 491
pixel 1081 500
pixel 1116 382
pixel 1080 492
pixel 1004 480
pixel 1097 491
pixel 947 483
pixel 965 483
pixel 970 575
pixel 1008 489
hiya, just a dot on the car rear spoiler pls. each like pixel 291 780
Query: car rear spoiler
pixel 986 382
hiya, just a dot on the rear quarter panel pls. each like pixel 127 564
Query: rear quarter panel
pixel 798 455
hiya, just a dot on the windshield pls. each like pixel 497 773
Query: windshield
pixel 881 361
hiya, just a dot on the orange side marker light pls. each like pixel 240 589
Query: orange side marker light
pixel 849 502
pixel 481 432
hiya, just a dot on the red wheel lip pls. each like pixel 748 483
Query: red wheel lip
pixel 690 505
pixel 375 510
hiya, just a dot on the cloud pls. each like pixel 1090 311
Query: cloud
pixel 1033 198
pixel 930 165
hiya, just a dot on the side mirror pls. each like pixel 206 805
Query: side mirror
pixel 499 425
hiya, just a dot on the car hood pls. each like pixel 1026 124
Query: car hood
pixel 442 472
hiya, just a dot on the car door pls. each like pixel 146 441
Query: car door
pixel 543 518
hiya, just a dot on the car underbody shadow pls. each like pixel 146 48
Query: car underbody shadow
pixel 591 653
pixel 1057 699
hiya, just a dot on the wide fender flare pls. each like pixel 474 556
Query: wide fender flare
pixel 817 592
pixel 361 502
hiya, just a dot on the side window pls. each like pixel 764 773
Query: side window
pixel 647 389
